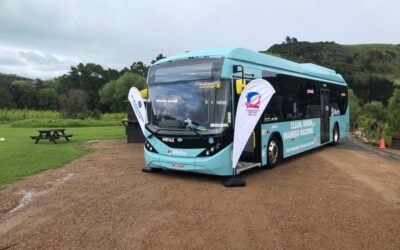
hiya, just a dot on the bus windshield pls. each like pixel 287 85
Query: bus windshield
pixel 202 105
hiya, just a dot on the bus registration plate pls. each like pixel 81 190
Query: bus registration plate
pixel 178 165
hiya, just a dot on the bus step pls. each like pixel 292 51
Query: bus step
pixel 245 165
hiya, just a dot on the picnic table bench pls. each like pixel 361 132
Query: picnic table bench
pixel 51 135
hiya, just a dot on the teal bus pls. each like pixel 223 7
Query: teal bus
pixel 201 89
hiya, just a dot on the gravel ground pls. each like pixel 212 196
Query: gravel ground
pixel 330 198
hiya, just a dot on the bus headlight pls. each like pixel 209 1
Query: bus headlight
pixel 149 147
pixel 212 150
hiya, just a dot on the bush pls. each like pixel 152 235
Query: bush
pixel 114 93
pixel 48 99
pixel 394 113
pixel 355 109
pixel 373 121
pixel 74 104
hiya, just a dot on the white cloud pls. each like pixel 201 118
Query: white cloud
pixel 33 63
pixel 116 33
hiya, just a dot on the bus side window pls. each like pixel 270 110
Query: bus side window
pixel 273 111
pixel 312 100
pixel 338 100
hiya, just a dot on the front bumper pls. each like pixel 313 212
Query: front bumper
pixel 219 164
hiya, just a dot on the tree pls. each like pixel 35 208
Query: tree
pixel 5 98
pixel 379 89
pixel 291 40
pixel 159 57
pixel 139 68
pixel 394 113
pixel 88 77
pixel 24 94
pixel 48 99
pixel 115 92
pixel 73 104
pixel 355 109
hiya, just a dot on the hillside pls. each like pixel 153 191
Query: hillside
pixel 349 60
pixel 369 69
pixel 7 79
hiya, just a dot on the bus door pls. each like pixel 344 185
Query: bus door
pixel 250 151
pixel 253 144
pixel 325 115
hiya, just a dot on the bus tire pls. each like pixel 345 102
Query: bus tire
pixel 335 135
pixel 274 152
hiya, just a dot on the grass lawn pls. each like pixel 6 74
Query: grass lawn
pixel 19 156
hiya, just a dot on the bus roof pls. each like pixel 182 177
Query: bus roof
pixel 249 56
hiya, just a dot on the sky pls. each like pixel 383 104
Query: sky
pixel 43 38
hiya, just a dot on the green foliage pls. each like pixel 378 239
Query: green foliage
pixel 355 108
pixel 114 93
pixel 374 88
pixel 5 98
pixel 24 94
pixel 139 68
pixel 74 104
pixel 373 121
pixel 12 115
pixel 394 113
pixel 63 123
pixel 377 110
pixel 17 163
pixel 88 78
pixel 48 99
pixel 113 116
pixel 159 57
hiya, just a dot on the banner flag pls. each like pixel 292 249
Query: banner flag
pixel 136 100
pixel 252 103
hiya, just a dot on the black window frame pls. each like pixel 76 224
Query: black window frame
pixel 298 98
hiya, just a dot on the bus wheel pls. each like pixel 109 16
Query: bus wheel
pixel 335 135
pixel 273 152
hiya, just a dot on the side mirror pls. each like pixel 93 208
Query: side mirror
pixel 240 84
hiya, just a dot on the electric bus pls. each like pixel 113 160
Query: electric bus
pixel 192 99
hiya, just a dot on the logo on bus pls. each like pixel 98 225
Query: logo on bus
pixel 253 100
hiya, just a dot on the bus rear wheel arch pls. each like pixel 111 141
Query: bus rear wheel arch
pixel 274 151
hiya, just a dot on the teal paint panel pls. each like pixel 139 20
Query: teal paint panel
pixel 297 136
pixel 163 149
pixel 218 164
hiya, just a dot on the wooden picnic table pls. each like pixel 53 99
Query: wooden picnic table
pixel 51 135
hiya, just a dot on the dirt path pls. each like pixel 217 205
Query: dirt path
pixel 334 197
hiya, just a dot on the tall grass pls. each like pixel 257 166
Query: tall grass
pixel 12 115
pixel 23 117
pixel 63 123
pixel 113 116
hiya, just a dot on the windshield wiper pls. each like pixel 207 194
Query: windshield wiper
pixel 195 131
pixel 194 127
pixel 152 133
pixel 198 124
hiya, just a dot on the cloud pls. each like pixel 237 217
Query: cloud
pixel 33 64
pixel 117 33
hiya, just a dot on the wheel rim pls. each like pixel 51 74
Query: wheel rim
pixel 336 135
pixel 273 151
